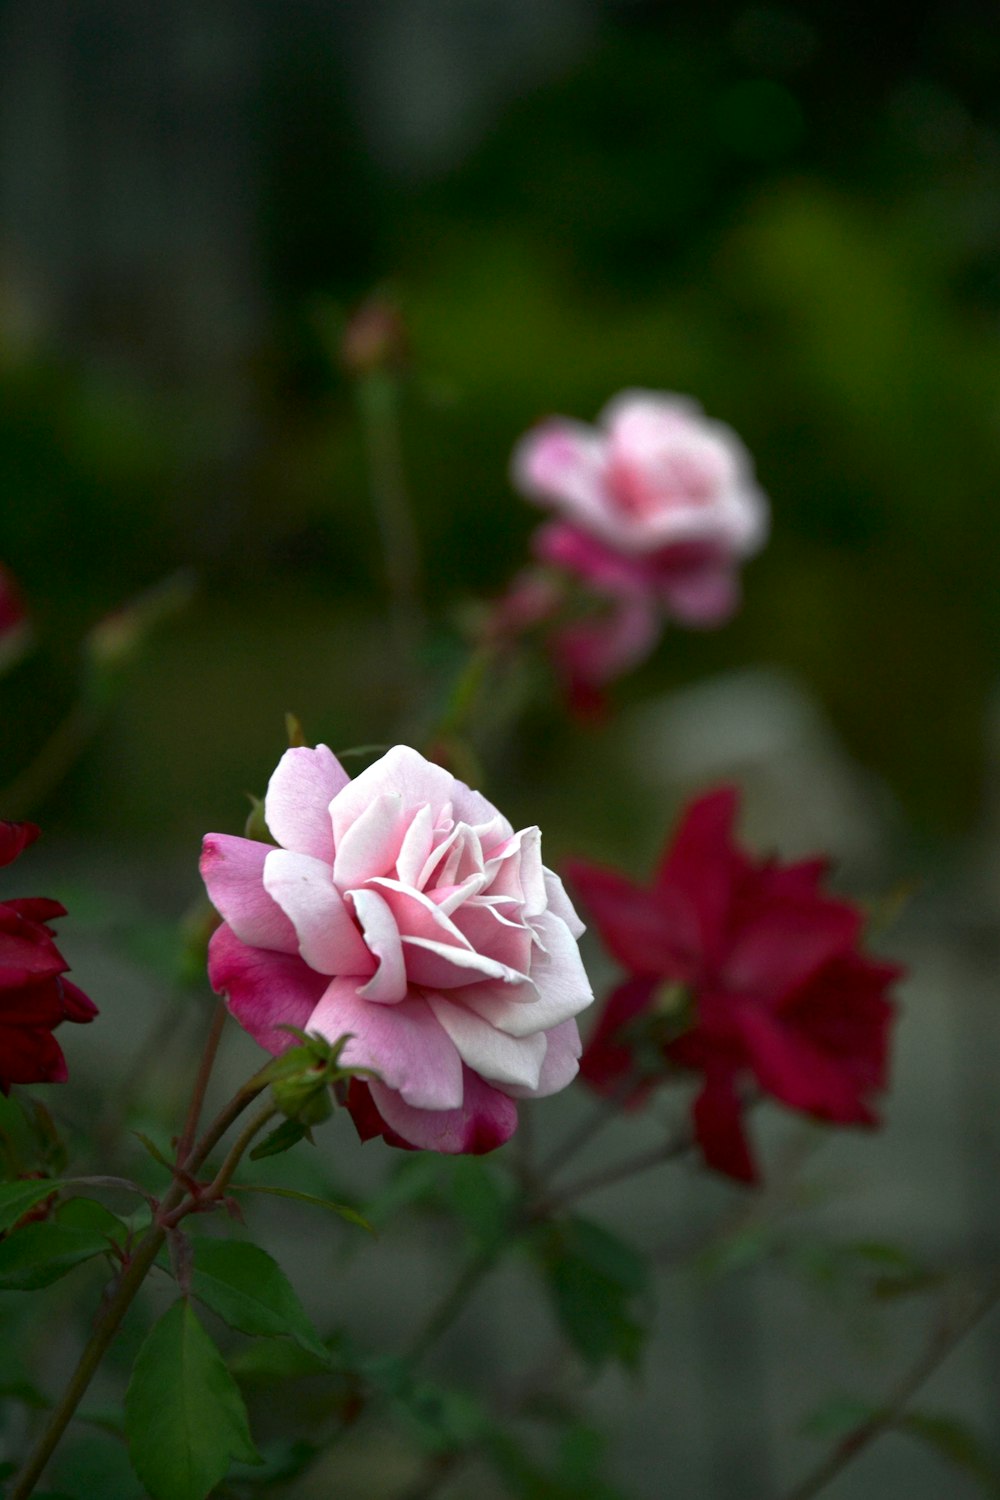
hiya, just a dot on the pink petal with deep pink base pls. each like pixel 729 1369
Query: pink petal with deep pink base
pixel 328 936
pixel 403 1043
pixel 484 1120
pixel 233 872
pixel 298 799
pixel 264 990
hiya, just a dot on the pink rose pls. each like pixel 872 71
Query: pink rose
pixel 657 502
pixel 402 909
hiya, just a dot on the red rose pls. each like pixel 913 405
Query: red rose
pixel 742 970
pixel 34 995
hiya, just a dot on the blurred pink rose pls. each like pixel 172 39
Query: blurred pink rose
pixel 658 509
pixel 403 909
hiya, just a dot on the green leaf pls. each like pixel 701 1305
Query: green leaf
pixel 39 1254
pixel 595 1279
pixel 957 1443
pixel 343 1209
pixel 276 1361
pixel 481 1200
pixel 287 1135
pixel 16 1198
pixel 184 1415
pixel 87 1213
pixel 25 1393
pixel 250 1291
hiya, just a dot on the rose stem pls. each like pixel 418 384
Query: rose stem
pixel 377 399
pixel 131 1280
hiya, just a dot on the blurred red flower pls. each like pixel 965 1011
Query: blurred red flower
pixel 35 997
pixel 742 970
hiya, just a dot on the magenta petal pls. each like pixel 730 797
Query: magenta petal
pixel 403 1044
pixel 485 1119
pixel 704 863
pixel 15 838
pixel 264 990
pixel 781 947
pixel 650 932
pixel 297 805
pixel 233 872
pixel 718 1123
pixel 792 1069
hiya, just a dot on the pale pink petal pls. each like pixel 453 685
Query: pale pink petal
pixel 403 1043
pixel 369 846
pixel 264 990
pixel 441 965
pixel 560 905
pixel 233 872
pixel 559 987
pixel 515 869
pixel 329 939
pixel 561 462
pixel 485 1119
pixel 388 984
pixel 491 932
pixel 415 848
pixel 402 771
pixel 495 1056
pixel 561 1065
pixel 299 794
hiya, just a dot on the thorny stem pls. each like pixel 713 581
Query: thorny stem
pixel 948 1335
pixel 133 1275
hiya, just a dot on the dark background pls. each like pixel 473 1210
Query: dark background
pixel 791 213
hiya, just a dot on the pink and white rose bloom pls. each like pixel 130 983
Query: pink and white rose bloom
pixel 658 507
pixel 402 909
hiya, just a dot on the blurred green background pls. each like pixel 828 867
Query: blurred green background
pixel 792 213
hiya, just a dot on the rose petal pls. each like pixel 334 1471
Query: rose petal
pixel 328 938
pixel 401 771
pixel 485 1119
pixel 494 1055
pixel 403 1043
pixel 370 845
pixel 298 799
pixel 233 872
pixel 389 982
pixel 264 990
pixel 560 1066
pixel 558 988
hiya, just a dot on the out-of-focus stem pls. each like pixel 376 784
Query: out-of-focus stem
pixel 947 1337
pixel 55 758
pixel 378 401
